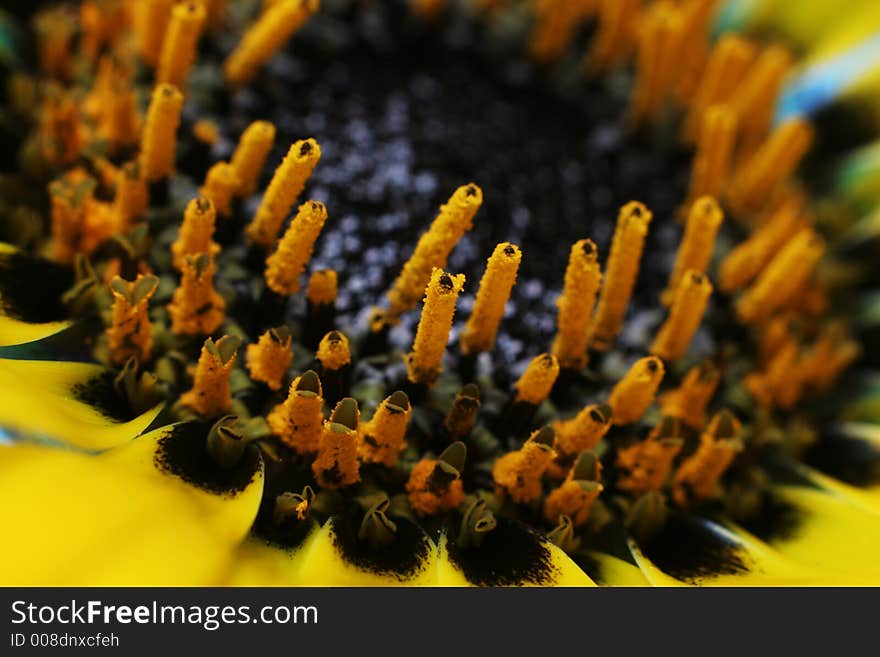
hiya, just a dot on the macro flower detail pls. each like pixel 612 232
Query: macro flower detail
pixel 474 293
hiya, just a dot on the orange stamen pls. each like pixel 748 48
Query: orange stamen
pixel 432 250
pixel 210 396
pixel 689 401
pixel 728 63
pixel 620 272
pixel 774 161
pixel 286 185
pixel 221 182
pixel 334 352
pixel 647 464
pixel 691 299
pixel 159 139
pixel 746 260
pixel 519 473
pixel 336 465
pixel 697 478
pixel 425 361
pixel 150 22
pixel 272 29
pixel 714 154
pixel 179 44
pixel 284 268
pixel 582 280
pixel 782 277
pixel 129 333
pixel 536 383
pixel 131 197
pixel 250 155
pixel 196 308
pixel 323 287
pixel 298 421
pixel 195 232
pixel 584 431
pixel 383 438
pixel 269 358
pixel 616 34
pixel 574 498
pixel 635 392
pixel 495 287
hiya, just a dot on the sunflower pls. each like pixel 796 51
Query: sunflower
pixel 242 345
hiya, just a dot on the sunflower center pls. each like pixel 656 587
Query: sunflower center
pixel 405 118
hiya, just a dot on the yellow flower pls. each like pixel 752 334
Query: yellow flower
pixel 627 401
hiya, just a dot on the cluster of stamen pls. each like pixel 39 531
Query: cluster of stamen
pixel 741 168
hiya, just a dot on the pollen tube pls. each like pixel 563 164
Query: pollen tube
pixel 221 183
pixel 250 155
pixel 159 138
pixel 425 362
pixel 772 163
pixel 748 259
pixel 269 358
pixel 495 287
pixel 382 439
pixel 179 45
pixel 714 153
pixel 697 245
pixel 635 392
pixel 285 187
pixel 691 299
pixel 582 279
pixel 265 37
pixel 210 395
pixel 782 277
pixel 298 421
pixel 195 232
pixel 336 465
pixel 620 273
pixel 433 248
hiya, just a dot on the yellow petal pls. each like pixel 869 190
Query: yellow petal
pixel 69 402
pixel 335 557
pixel 825 533
pixel 175 457
pixel 697 552
pixel 133 516
pixel 607 570
pixel 259 562
pixel 510 555
pixel 30 297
